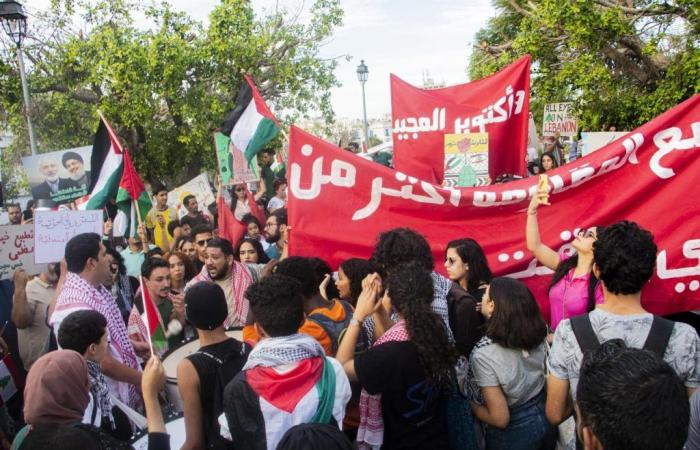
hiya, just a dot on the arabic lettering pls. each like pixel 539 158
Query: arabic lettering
pixel 691 250
pixel 493 113
pixel 411 126
pixel 667 141
pixel 342 175
pixel 431 194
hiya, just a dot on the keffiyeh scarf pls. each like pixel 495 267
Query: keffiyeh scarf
pixel 78 294
pixel 370 433
pixel 100 391
pixel 241 279
pixel 277 351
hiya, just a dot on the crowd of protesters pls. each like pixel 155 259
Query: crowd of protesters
pixel 386 353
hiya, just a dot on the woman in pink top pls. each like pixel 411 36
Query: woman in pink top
pixel 574 289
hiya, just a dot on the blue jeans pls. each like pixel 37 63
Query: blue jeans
pixel 528 429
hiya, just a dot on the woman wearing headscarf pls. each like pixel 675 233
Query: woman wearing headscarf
pixel 56 395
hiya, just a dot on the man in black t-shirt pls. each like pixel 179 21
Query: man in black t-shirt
pixel 202 376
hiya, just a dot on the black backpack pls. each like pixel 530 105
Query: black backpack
pixel 226 370
pixel 657 340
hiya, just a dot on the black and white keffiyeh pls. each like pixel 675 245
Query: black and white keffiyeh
pixel 100 391
pixel 277 351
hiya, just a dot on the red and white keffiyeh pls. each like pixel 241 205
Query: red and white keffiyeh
pixel 77 294
pixel 370 433
pixel 241 278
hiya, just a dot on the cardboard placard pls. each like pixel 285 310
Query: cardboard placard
pixel 17 250
pixel 53 229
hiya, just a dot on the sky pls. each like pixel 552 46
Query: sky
pixel 404 37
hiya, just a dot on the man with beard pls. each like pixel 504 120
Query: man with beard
pixel 29 304
pixel 73 163
pixel 275 227
pixel 53 184
pixel 83 288
pixel 232 276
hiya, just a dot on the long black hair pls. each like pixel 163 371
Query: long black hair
pixel 262 256
pixel 410 289
pixel 569 263
pixel 473 255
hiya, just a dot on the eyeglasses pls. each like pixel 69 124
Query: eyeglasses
pixel 204 242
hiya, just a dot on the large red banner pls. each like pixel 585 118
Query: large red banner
pixel 498 104
pixel 339 202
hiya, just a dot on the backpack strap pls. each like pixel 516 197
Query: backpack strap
pixel 659 335
pixel 583 330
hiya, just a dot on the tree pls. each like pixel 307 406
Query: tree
pixel 622 62
pixel 167 87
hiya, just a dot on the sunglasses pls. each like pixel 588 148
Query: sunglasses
pixel 587 233
pixel 203 242
pixel 240 189
pixel 450 261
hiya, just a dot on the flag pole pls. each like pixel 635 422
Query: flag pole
pixel 145 310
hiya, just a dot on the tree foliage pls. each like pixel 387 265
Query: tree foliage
pixel 166 86
pixel 622 62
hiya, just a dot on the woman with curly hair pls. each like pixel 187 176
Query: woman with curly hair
pixel 351 272
pixel 404 374
pixel 574 289
pixel 508 367
pixel 181 270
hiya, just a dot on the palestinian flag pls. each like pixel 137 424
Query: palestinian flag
pixel 106 168
pixel 131 188
pixel 153 322
pixel 251 125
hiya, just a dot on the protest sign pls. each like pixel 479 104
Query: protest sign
pixel 61 176
pixel 593 141
pixel 466 160
pixel 649 177
pixel 197 186
pixel 17 250
pixel 233 166
pixel 53 229
pixel 559 117
pixel 498 105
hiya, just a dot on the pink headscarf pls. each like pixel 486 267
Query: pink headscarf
pixel 57 389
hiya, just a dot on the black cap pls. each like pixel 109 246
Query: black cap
pixel 205 305
pixel 71 155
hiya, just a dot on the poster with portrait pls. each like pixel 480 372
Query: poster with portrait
pixel 466 160
pixel 59 177
pixel 199 187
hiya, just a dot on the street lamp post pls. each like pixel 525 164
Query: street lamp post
pixel 362 74
pixel 14 22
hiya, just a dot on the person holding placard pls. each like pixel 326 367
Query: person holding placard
pixel 29 303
